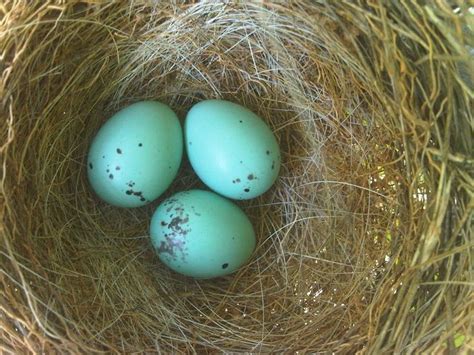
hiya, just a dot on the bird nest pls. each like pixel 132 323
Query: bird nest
pixel 363 244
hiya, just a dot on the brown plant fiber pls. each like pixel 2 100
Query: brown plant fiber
pixel 365 243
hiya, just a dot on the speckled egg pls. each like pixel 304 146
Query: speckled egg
pixel 136 154
pixel 201 234
pixel 231 149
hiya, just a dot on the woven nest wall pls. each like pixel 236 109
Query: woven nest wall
pixel 365 242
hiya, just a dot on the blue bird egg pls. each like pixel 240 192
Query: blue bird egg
pixel 136 154
pixel 231 149
pixel 201 234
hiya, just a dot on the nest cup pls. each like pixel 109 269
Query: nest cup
pixel 364 243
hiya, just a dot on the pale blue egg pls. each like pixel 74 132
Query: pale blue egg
pixel 136 154
pixel 201 234
pixel 231 149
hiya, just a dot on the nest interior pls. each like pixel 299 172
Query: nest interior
pixel 364 243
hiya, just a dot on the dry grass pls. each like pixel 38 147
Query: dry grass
pixel 364 244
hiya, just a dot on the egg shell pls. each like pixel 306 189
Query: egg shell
pixel 136 154
pixel 231 149
pixel 201 234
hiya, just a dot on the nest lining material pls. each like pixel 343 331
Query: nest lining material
pixel 364 244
